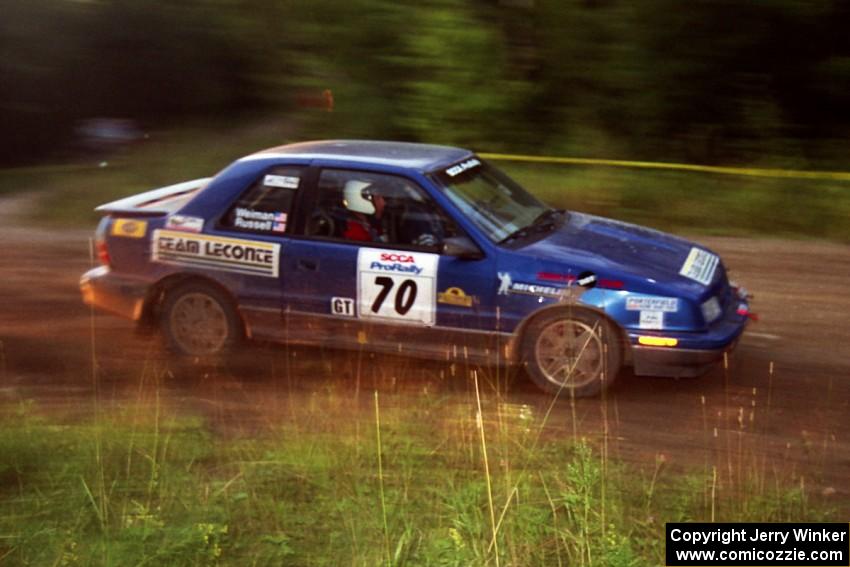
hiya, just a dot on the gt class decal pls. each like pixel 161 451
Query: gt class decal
pixel 397 285
pixel 251 257
pixel 342 306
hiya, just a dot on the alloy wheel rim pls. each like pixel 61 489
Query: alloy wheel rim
pixel 570 353
pixel 199 324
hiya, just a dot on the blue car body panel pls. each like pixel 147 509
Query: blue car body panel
pixel 630 274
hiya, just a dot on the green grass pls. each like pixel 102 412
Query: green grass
pixel 148 484
pixel 669 200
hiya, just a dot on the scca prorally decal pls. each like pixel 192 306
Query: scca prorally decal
pixel 227 254
pixel 699 266
pixel 394 262
pixel 185 223
pixel 652 303
pixel 456 170
pixel 396 285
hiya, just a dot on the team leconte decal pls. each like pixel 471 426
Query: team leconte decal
pixel 651 320
pixel 397 285
pixel 652 303
pixel 699 266
pixel 226 254
pixel 455 296
pixel 456 170
pixel 130 228
pixel 342 306
pixel 185 223
pixel 282 181
pixel 259 220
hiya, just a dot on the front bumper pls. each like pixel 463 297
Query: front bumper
pixel 675 362
pixel 695 353
pixel 117 294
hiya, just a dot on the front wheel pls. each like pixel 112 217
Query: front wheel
pixel 199 321
pixel 571 352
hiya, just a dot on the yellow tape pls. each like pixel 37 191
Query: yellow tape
pixel 748 171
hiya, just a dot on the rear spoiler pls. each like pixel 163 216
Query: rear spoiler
pixel 153 203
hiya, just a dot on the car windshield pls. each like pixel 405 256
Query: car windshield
pixel 497 204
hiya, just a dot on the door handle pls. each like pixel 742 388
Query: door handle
pixel 309 265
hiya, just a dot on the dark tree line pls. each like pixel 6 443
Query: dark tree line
pixel 704 80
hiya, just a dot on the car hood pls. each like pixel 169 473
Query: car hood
pixel 606 245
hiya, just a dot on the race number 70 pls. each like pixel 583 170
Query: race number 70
pixel 405 295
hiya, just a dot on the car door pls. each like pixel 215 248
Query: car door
pixel 258 219
pixel 366 269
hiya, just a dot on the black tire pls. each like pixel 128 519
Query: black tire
pixel 199 323
pixel 572 352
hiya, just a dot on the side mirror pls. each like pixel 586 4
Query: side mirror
pixel 461 247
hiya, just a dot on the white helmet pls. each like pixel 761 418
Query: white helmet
pixel 357 198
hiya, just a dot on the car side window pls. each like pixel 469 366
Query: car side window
pixel 362 206
pixel 264 207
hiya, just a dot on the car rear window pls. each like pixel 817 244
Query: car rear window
pixel 264 207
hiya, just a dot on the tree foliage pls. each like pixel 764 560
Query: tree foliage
pixel 707 81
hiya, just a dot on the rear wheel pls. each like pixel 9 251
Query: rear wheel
pixel 199 321
pixel 571 352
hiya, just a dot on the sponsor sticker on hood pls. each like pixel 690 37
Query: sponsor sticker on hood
pixel 699 266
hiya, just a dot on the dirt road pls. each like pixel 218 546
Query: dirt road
pixel 791 423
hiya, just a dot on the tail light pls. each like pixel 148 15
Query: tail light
pixel 102 252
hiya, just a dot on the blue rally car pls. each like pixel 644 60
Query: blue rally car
pixel 409 248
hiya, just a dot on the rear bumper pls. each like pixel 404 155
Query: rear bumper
pixel 119 295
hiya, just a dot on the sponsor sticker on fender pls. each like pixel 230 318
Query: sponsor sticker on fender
pixel 535 289
pixel 651 320
pixel 185 223
pixel 397 285
pixel 455 296
pixel 129 228
pixel 652 303
pixel 251 257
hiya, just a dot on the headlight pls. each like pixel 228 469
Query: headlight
pixel 711 310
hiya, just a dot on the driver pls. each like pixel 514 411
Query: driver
pixel 366 208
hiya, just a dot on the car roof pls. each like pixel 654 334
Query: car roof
pixel 405 155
